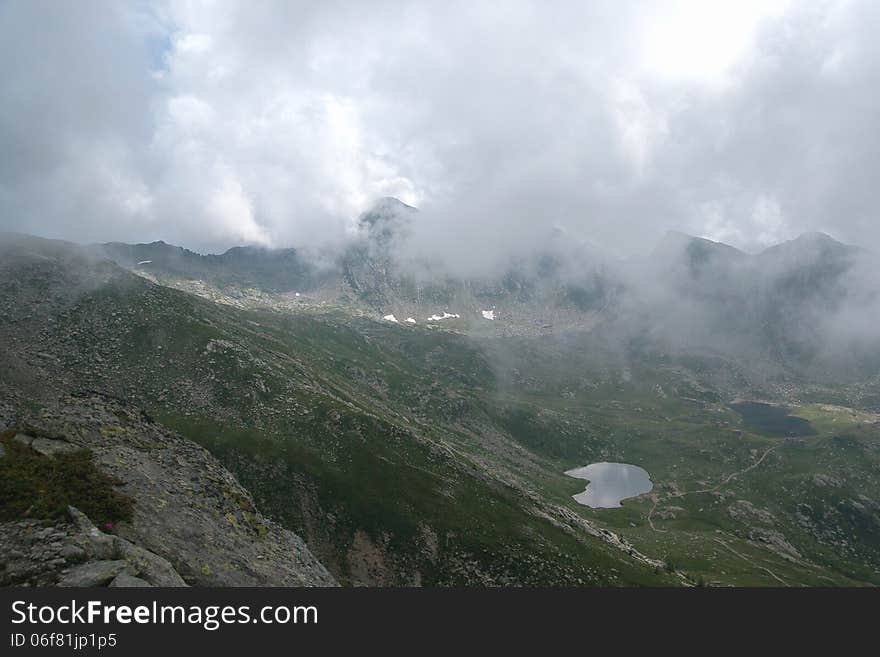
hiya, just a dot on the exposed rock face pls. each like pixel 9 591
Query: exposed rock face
pixel 193 522
pixel 775 541
pixel 93 573
pixel 126 581
pixel 73 552
pixel 827 481
pixel 50 447
pixel 748 513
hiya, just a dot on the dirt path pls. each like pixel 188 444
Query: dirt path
pixel 678 495
pixel 657 498
pixel 740 473
pixel 752 563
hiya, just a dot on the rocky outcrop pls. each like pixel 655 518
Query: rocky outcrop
pixel 776 542
pixel 94 573
pixel 73 552
pixel 746 512
pixel 192 523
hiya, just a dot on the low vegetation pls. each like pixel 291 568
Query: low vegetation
pixel 41 487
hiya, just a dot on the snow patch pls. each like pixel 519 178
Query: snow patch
pixel 445 315
pixel 410 320
pixel 145 262
pixel 391 318
pixel 488 314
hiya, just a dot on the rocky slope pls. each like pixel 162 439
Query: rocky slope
pixel 192 522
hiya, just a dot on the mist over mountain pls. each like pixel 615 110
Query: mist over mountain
pixel 806 305
pixel 782 303
pixel 414 430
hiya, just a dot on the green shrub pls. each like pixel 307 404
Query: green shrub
pixel 36 486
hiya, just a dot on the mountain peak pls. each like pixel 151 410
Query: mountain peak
pixel 699 248
pixel 813 242
pixel 387 219
pixel 819 238
pixel 677 235
pixel 385 209
pixel 392 202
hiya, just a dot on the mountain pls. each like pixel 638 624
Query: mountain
pixel 776 310
pixel 387 219
pixel 773 307
pixel 73 457
pixel 694 254
pixel 326 420
pixel 368 275
pixel 435 452
pixel 780 311
pixel 273 270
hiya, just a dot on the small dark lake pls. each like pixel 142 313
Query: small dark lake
pixel 771 420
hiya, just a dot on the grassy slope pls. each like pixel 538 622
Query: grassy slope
pixel 408 435
pixel 322 420
pixel 690 442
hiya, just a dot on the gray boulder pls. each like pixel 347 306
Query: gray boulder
pixel 151 567
pixel 49 447
pixel 125 581
pixel 93 573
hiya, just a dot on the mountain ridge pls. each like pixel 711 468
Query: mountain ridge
pixel 775 303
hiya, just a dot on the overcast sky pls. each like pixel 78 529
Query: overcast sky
pixel 210 124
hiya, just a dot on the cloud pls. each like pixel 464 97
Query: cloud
pixel 217 123
pixel 74 117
